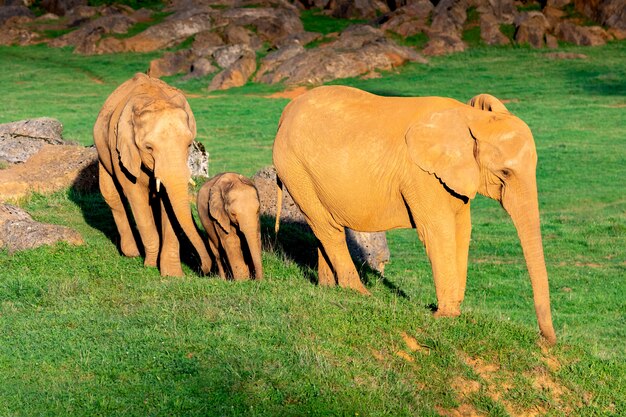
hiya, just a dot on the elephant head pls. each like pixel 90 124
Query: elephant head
pixel 483 148
pixel 234 206
pixel 154 135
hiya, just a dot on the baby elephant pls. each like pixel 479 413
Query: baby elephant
pixel 228 205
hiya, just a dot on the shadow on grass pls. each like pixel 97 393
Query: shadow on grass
pixel 598 82
pixel 296 241
pixel 86 195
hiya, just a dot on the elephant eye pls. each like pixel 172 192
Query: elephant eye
pixel 148 147
pixel 506 173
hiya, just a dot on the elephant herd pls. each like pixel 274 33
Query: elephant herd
pixel 349 159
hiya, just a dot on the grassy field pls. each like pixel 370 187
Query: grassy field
pixel 84 331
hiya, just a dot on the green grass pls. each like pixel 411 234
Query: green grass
pixel 314 21
pixel 84 331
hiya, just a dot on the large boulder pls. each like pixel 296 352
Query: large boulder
pixel 53 168
pixel 8 12
pixel 172 31
pixel 445 32
pixel 61 7
pixel 239 64
pixel 359 50
pixel 366 248
pixel 85 39
pixel 18 231
pixel 410 19
pixel 22 139
pixel 531 28
pixel 490 31
pixel 581 35
pixel 171 63
pixel 611 13
pixel 270 24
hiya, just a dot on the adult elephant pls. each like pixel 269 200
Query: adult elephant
pixel 143 134
pixel 353 159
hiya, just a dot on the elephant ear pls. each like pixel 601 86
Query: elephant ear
pixel 443 145
pixel 217 208
pixel 125 141
pixel 488 102
pixel 180 101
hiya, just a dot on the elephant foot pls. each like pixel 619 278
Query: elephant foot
pixel 129 249
pixel 206 267
pixel 150 261
pixel 356 285
pixel 448 311
pixel 171 270
pixel 325 280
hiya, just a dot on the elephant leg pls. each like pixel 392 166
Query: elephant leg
pixel 334 244
pixel 441 248
pixel 169 261
pixel 234 255
pixel 138 199
pixel 218 259
pixel 325 276
pixel 463 235
pixel 114 200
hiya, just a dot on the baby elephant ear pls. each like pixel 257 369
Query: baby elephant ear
pixel 217 209
pixel 442 145
pixel 488 102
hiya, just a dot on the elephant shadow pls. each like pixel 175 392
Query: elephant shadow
pixel 296 242
pixel 85 193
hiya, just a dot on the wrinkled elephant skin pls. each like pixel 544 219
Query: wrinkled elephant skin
pixel 353 159
pixel 142 135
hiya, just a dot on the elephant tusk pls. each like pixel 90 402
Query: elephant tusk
pixel 192 182
pixel 158 185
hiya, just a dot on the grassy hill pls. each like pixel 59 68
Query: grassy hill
pixel 84 331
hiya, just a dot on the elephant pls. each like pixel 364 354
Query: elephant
pixel 228 206
pixel 371 163
pixel 142 134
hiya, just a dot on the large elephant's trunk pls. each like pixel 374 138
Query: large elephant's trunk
pixel 524 210
pixel 177 191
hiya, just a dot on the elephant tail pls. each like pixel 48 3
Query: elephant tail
pixel 279 202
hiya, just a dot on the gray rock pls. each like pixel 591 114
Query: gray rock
pixel 227 55
pixel 61 7
pixel 171 63
pixel 359 50
pixel 20 140
pixel 581 35
pixel 201 67
pixel 237 74
pixel 270 24
pixel 366 248
pixel 531 28
pixel 18 231
pixel 7 12
pixel 490 31
pixel 198 161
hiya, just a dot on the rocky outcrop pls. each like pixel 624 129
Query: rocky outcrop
pixel 18 231
pixel 531 29
pixel 582 35
pixel 445 32
pixel 366 248
pixel 610 13
pixel 410 19
pixel 239 67
pixel 21 140
pixel 52 168
pixel 359 50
